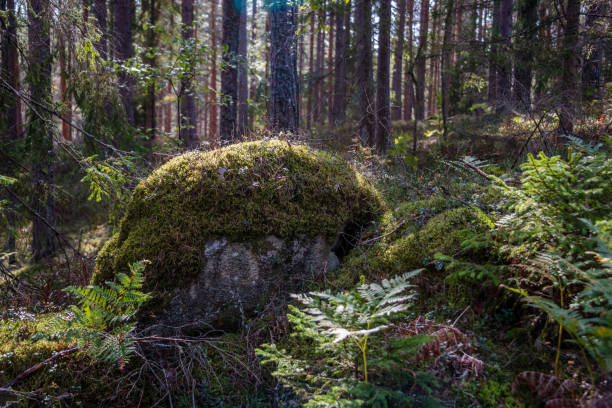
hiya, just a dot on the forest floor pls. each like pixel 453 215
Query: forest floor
pixel 489 348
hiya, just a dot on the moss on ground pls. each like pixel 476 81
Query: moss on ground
pixel 240 192
pixel 442 234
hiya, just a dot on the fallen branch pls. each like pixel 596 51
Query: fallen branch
pixel 6 388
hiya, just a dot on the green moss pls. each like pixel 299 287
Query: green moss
pixel 443 234
pixel 240 192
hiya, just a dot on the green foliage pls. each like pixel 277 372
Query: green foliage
pixel 243 191
pixel 336 331
pixel 102 324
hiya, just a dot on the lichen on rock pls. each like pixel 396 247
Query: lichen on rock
pixel 193 214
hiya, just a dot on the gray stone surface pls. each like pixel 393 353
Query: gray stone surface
pixel 238 279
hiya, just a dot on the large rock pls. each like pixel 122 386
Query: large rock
pixel 228 229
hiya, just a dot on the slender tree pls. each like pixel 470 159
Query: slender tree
pixel 213 127
pixel 398 59
pixel 383 118
pixel 9 72
pixel 311 71
pixel 318 84
pixel 284 85
pixel 569 76
pixel 253 86
pixel 446 64
pixel 330 66
pixel 504 66
pixel 151 59
pixel 243 83
pixel 100 13
pixel 44 243
pixel 526 23
pixel 339 106
pixel 187 129
pixel 229 74
pixel 409 71
pixel 122 25
pixel 365 84
pixel 420 63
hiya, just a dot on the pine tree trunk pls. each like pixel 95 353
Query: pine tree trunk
pixel 311 72
pixel 318 84
pixel 409 71
pixel 253 86
pixel 10 74
pixel 420 61
pixel 398 58
pixel 383 111
pixel 527 20
pixel 151 42
pixel 330 67
pixel 65 96
pixel 188 133
pixel 243 83
pixel 213 127
pixel 339 108
pixel 365 85
pixel 284 86
pixel 446 65
pixel 44 243
pixel 504 70
pixel 122 10
pixel 569 76
pixel 229 75
pixel 493 54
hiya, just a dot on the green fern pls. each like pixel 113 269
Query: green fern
pixel 101 322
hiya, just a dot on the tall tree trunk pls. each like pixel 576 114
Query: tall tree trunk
pixel 65 96
pixel 151 42
pixel 187 126
pixel 569 77
pixel 229 75
pixel 311 71
pixel 243 84
pixel 122 10
pixel 504 70
pixel 253 86
pixel 409 71
pixel 420 61
pixel 493 54
pixel 398 58
pixel 318 105
pixel 365 84
pixel 593 57
pixel 330 67
pixel 9 73
pixel 383 111
pixel 284 86
pixel 527 20
pixel 339 108
pixel 446 65
pixel 434 61
pixel 44 243
pixel 213 127
pixel 100 14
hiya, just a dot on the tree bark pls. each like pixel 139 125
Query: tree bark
pixel 44 243
pixel 420 62
pixel 365 85
pixel 150 121
pixel 339 104
pixel 318 80
pixel 527 20
pixel 253 86
pixel 409 71
pixel 383 111
pixel 493 54
pixel 243 84
pixel 446 65
pixel 284 86
pixel 10 73
pixel 569 76
pixel 229 75
pixel 188 133
pixel 330 67
pixel 213 127
pixel 122 10
pixel 65 96
pixel 504 70
pixel 398 58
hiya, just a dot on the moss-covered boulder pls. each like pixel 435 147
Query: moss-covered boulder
pixel 223 225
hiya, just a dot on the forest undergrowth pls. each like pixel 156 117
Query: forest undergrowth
pixel 486 282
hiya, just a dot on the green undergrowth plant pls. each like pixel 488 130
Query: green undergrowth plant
pixel 336 336
pixel 102 321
